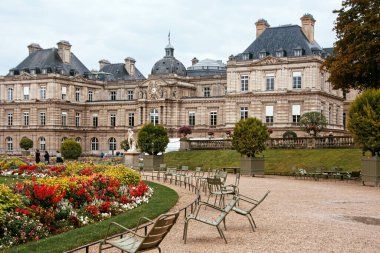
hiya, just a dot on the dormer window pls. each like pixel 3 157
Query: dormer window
pixel 298 51
pixel 11 72
pixel 280 53
pixel 44 71
pixel 246 56
pixel 262 54
pixel 33 71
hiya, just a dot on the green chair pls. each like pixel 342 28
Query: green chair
pixel 132 242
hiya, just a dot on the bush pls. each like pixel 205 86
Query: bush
pixel 26 143
pixel 153 139
pixel 184 130
pixel 8 201
pixel 289 134
pixel 364 121
pixel 250 136
pixel 124 145
pixel 71 149
pixel 313 122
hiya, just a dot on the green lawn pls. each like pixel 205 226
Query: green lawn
pixel 9 180
pixel 162 200
pixel 276 160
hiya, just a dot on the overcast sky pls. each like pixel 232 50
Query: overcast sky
pixel 116 29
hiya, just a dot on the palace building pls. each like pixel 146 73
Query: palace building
pixel 51 95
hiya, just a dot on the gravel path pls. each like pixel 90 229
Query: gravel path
pixel 298 216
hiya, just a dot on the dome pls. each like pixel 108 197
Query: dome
pixel 207 67
pixel 169 64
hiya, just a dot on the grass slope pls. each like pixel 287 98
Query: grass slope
pixel 162 200
pixel 276 160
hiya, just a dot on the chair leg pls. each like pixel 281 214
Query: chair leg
pixel 221 233
pixel 159 249
pixel 253 220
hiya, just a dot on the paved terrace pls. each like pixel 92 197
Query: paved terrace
pixel 298 216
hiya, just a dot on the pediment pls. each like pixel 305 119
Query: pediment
pixel 25 76
pixel 269 60
pixel 78 78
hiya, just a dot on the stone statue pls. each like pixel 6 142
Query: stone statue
pixel 131 141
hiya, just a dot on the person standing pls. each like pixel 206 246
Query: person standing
pixel 46 156
pixel 59 157
pixel 38 159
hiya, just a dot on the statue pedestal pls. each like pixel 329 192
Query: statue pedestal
pixel 131 159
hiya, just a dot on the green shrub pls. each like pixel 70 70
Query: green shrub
pixel 26 143
pixel 364 121
pixel 250 136
pixel 313 122
pixel 124 145
pixel 71 149
pixel 8 201
pixel 153 139
pixel 289 134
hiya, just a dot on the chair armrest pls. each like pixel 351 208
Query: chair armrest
pixel 202 203
pixel 140 220
pixel 121 226
pixel 247 199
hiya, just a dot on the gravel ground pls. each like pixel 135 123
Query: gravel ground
pixel 297 216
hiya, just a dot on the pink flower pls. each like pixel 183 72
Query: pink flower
pixel 36 238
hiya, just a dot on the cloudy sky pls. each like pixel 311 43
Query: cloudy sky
pixel 116 29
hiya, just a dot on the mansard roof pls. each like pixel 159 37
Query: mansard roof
pixel 285 38
pixel 117 71
pixel 49 59
pixel 207 67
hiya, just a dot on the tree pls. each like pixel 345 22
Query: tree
pixel 124 145
pixel 313 122
pixel 26 143
pixel 364 121
pixel 184 130
pixel 70 149
pixel 249 137
pixel 153 139
pixel 355 61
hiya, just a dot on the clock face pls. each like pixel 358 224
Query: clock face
pixel 154 90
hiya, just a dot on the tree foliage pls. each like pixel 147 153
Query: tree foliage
pixel 26 143
pixel 185 130
pixel 70 149
pixel 250 136
pixel 289 134
pixel 364 121
pixel 355 62
pixel 124 145
pixel 153 139
pixel 313 122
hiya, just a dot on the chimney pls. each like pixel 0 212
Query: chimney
pixel 130 65
pixel 103 63
pixel 64 51
pixel 194 61
pixel 308 22
pixel 33 47
pixel 261 25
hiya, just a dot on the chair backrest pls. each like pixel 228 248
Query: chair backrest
pixel 222 175
pixel 237 179
pixel 184 168
pixel 214 184
pixel 259 201
pixel 171 170
pixel 226 210
pixel 159 230
pixel 162 166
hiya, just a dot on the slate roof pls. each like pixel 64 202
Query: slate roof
pixel 49 58
pixel 117 71
pixel 169 64
pixel 286 38
pixel 207 67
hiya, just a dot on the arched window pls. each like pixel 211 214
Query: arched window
pixel 78 139
pixel 63 139
pixel 154 116
pixel 94 144
pixel 112 144
pixel 9 144
pixel 42 142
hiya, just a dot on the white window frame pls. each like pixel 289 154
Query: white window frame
pixel 244 79
pixel 25 118
pixel 191 119
pixel 10 119
pixel 154 116
pixel 269 112
pixel 94 144
pixel 113 119
pixel 130 94
pixel 297 80
pixel 64 92
pixel 42 143
pixel 296 113
pixel 131 119
pixel 26 92
pixel 206 92
pixel 243 112
pixel 77 119
pixel 43 92
pixel 113 94
pixel 10 94
pixel 9 144
pixel 77 94
pixel 269 82
pixel 90 95
pixel 213 119
pixel 95 120
pixel 112 144
pixel 42 118
pixel 64 119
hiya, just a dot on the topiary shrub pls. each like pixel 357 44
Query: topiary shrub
pixel 184 130
pixel 250 136
pixel 26 143
pixel 289 134
pixel 71 149
pixel 364 121
pixel 313 122
pixel 124 145
pixel 153 139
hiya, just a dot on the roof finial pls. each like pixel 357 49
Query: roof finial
pixel 169 37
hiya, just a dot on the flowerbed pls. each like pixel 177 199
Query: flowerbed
pixel 54 199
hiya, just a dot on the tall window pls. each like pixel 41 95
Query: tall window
pixel 243 112
pixel 112 144
pixel 64 118
pixel 154 116
pixel 64 92
pixel 95 120
pixel 269 82
pixel 192 119
pixel 213 119
pixel 296 80
pixel 26 118
pixel 297 52
pixel 26 92
pixel 296 114
pixel 330 115
pixel 43 93
pixel 344 120
pixel 77 94
pixel 244 83
pixel 269 114
pixel 130 95
pixel 77 119
pixel 94 144
pixel 42 142
pixel 10 94
pixel 113 95
pixel 337 116
pixel 9 144
pixel 206 92
pixel 113 119
pixel 10 118
pixel 131 119
pixel 42 118
pixel 90 95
